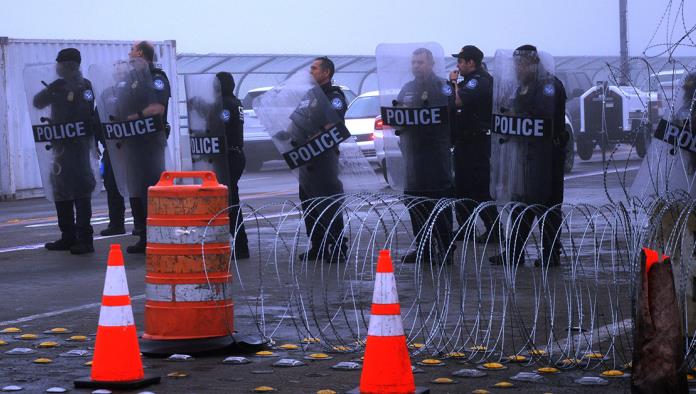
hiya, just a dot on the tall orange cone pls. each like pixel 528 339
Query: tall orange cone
pixel 387 366
pixel 116 363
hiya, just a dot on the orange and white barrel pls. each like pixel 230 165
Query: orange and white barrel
pixel 188 285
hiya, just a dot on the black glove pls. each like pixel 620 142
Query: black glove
pixel 56 86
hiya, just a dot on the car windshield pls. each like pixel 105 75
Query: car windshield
pixel 249 98
pixel 363 107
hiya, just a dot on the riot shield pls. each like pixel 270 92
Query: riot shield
pixel 306 128
pixel 523 126
pixel 61 109
pixel 669 167
pixel 414 100
pixel 207 119
pixel 135 142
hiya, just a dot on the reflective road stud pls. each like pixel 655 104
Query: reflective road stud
pixel 387 366
pixel 117 363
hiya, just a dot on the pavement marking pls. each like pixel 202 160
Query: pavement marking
pixel 253 179
pixel 93 221
pixel 60 312
pixel 39 246
pixel 595 173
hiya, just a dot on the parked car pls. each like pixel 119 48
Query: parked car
pixel 360 121
pixel 258 146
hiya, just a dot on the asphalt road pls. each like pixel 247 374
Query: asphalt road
pixel 42 289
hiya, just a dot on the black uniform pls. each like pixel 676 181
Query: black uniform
pixel 228 115
pixel 71 100
pixel 545 98
pixel 472 145
pixel 427 159
pixel 114 199
pixel 318 179
pixel 142 162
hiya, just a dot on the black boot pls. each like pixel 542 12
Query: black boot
pixel 500 259
pixel 311 254
pixel 138 248
pixel 61 244
pixel 82 248
pixel 336 253
pixel 113 231
pixel 554 261
pixel 241 252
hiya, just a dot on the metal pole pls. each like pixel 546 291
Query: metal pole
pixel 623 31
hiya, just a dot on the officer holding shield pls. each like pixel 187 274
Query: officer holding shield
pixel 426 156
pixel 222 118
pixel 114 199
pixel 319 181
pixel 159 90
pixel 472 105
pixel 66 148
pixel 133 99
pixel 530 140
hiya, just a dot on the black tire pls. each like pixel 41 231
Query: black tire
pixel 254 165
pixel 570 152
pixel 383 166
pixel 585 148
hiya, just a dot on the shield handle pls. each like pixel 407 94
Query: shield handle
pixel 207 178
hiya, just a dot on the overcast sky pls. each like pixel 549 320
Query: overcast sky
pixel 561 27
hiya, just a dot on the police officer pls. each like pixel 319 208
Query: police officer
pixel 427 157
pixel 71 99
pixel 472 106
pixel 161 92
pixel 228 114
pixel 319 182
pixel 114 199
pixel 539 95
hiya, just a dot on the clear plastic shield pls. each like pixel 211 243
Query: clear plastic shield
pixel 306 129
pixel 207 119
pixel 136 142
pixel 669 167
pixel 414 98
pixel 61 109
pixel 523 126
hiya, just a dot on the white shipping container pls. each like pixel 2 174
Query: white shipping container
pixel 19 171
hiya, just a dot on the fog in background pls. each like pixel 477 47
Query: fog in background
pixel 561 27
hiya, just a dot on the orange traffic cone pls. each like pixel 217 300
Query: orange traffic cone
pixel 116 363
pixel 386 366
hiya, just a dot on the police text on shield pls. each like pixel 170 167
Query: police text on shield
pixel 414 117
pixel 676 135
pixel 317 146
pixel 63 131
pixel 206 145
pixel 133 128
pixel 515 125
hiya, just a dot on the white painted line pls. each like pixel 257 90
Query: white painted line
pixel 39 246
pixel 60 312
pixel 595 173
pixel 253 179
pixel 94 221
